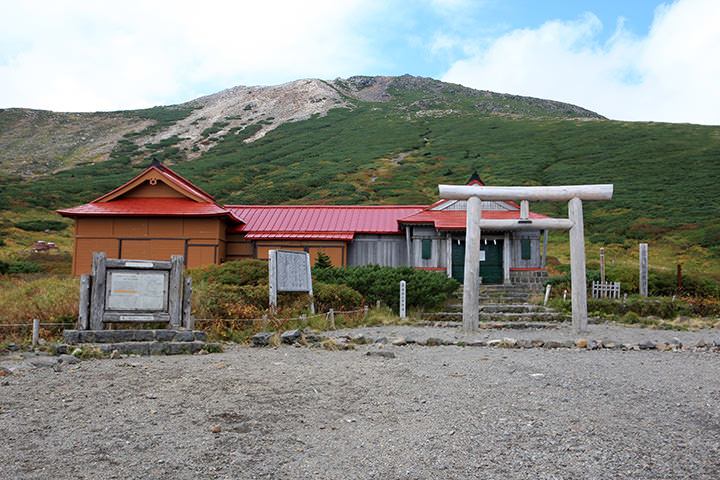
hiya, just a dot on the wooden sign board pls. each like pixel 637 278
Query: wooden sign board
pixel 134 291
pixel 137 290
pixel 289 271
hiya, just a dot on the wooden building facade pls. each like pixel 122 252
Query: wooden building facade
pixel 158 214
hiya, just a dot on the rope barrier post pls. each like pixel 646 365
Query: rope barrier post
pixel 547 294
pixel 366 309
pixel 36 331
pixel 332 319
pixel 377 305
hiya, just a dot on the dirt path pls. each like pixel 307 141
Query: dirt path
pixel 430 412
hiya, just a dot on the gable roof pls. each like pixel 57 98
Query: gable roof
pixel 192 201
pixel 159 172
pixel 320 222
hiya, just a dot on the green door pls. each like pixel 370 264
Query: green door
pixel 458 261
pixel 491 269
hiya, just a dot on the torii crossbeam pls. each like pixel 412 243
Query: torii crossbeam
pixel 573 194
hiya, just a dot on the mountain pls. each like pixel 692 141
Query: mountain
pixel 373 140
pixel 37 142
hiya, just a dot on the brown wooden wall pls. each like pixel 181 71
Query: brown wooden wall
pixel 337 251
pixel 200 240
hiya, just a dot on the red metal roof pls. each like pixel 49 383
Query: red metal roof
pixel 338 222
pixel 455 219
pixel 149 207
pixel 345 236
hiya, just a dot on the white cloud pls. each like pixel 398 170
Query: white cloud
pixel 86 55
pixel 669 75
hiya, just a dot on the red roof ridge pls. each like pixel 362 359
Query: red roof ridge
pixel 326 206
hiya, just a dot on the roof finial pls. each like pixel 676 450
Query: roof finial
pixel 156 163
pixel 475 179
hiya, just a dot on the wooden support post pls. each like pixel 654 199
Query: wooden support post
pixel 97 304
pixel 524 209
pixel 309 283
pixel 408 246
pixel 643 275
pixel 471 284
pixel 332 318
pixel 577 266
pixel 507 259
pixel 188 321
pixel 448 255
pixel 36 331
pixel 602 271
pixel 272 281
pixel 175 281
pixel 84 303
pixel 679 279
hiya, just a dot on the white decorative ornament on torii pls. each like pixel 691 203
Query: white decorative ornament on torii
pixel 573 194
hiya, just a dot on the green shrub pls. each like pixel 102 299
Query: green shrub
pixel 425 289
pixel 222 300
pixel 322 261
pixel 19 266
pixel 237 272
pixel 337 297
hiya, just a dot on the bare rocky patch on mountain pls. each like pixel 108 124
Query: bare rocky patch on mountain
pixel 38 142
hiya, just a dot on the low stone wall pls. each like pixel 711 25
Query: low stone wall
pixel 531 279
pixel 74 337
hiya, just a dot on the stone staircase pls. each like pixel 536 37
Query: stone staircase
pixel 503 304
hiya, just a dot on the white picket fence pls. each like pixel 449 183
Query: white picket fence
pixel 606 290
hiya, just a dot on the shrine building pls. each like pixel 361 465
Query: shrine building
pixel 159 213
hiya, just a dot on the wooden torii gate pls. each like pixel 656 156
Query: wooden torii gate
pixel 573 194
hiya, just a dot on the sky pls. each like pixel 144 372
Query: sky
pixel 636 60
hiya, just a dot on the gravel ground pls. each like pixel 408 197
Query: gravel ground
pixel 430 412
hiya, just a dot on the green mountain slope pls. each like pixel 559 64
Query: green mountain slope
pixel 393 140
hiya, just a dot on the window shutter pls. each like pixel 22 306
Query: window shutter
pixel 426 248
pixel 525 249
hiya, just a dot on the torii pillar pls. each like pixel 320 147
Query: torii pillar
pixel 573 194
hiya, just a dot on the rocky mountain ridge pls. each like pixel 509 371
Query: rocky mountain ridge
pixel 38 142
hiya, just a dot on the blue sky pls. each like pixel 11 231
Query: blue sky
pixel 628 60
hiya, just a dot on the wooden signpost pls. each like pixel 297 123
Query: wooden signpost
pixel 134 291
pixel 643 274
pixel 289 271
pixel 573 194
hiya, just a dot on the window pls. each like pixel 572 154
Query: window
pixel 426 248
pixel 525 252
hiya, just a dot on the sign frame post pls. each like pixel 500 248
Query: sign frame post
pixel 289 271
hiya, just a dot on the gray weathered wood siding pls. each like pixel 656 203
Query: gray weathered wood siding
pixel 438 248
pixel 516 260
pixel 384 250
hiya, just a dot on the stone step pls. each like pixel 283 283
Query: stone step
pixel 506 299
pixel 144 348
pixel 74 337
pixel 504 317
pixel 503 307
pixel 488 325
